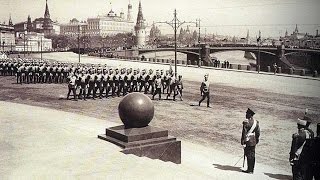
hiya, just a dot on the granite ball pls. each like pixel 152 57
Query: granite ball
pixel 136 110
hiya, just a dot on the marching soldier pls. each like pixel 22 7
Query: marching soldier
pixel 92 83
pixel 134 80
pixel 36 74
pixel 111 83
pixel 105 83
pixel 158 86
pixel 151 77
pixel 166 82
pixel 122 83
pixel 249 139
pixel 179 87
pixel 172 86
pixel 99 81
pixel 19 74
pixel 116 88
pixel 143 79
pixel 83 80
pixel 205 90
pixel 72 86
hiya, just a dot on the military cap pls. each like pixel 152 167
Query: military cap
pixel 250 112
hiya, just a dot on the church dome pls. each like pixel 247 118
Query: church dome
pixel 111 13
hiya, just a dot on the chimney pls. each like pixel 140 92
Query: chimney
pixel 317 32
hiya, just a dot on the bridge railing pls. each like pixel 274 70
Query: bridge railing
pixel 221 66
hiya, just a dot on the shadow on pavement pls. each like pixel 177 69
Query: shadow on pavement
pixel 278 176
pixel 227 167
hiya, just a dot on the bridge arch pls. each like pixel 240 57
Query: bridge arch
pixel 192 57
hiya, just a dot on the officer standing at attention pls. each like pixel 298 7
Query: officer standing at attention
pixel 205 91
pixel 298 142
pixel 249 139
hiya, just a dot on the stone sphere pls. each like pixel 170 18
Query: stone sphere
pixel 136 110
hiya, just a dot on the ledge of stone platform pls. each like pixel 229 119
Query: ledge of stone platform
pixel 147 141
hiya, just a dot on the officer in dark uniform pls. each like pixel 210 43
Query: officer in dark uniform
pixel 298 142
pixel 249 139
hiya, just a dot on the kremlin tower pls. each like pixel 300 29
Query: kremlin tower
pixel 140 29
pixel 47 23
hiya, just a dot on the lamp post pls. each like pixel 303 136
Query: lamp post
pixel 3 43
pixel 79 42
pixel 175 24
pixel 199 42
pixel 24 44
pixel 41 47
pixel 259 43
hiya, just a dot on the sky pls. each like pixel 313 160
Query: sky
pixel 222 17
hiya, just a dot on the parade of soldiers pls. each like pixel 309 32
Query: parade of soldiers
pixel 93 81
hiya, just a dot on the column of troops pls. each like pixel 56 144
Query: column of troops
pixel 90 81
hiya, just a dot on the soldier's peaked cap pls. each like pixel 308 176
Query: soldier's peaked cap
pixel 249 111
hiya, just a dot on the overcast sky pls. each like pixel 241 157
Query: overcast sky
pixel 226 17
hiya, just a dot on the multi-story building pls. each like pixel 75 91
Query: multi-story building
pixel 111 24
pixel 7 37
pixel 73 28
pixel 32 42
pixel 301 40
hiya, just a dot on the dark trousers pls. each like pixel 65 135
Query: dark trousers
pixel 249 152
pixel 205 95
pixel 152 87
pixel 100 88
pixel 157 91
pixel 297 173
pixel 312 170
pixel 179 91
pixel 83 91
pixel 143 85
pixel 91 89
pixel 73 89
pixel 172 88
pixel 19 78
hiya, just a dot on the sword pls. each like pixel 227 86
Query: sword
pixel 244 159
pixel 238 161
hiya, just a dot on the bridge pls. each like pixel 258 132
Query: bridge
pixel 268 55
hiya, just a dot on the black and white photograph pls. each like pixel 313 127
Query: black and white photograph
pixel 146 89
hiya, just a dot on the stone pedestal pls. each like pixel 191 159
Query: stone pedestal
pixel 148 141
